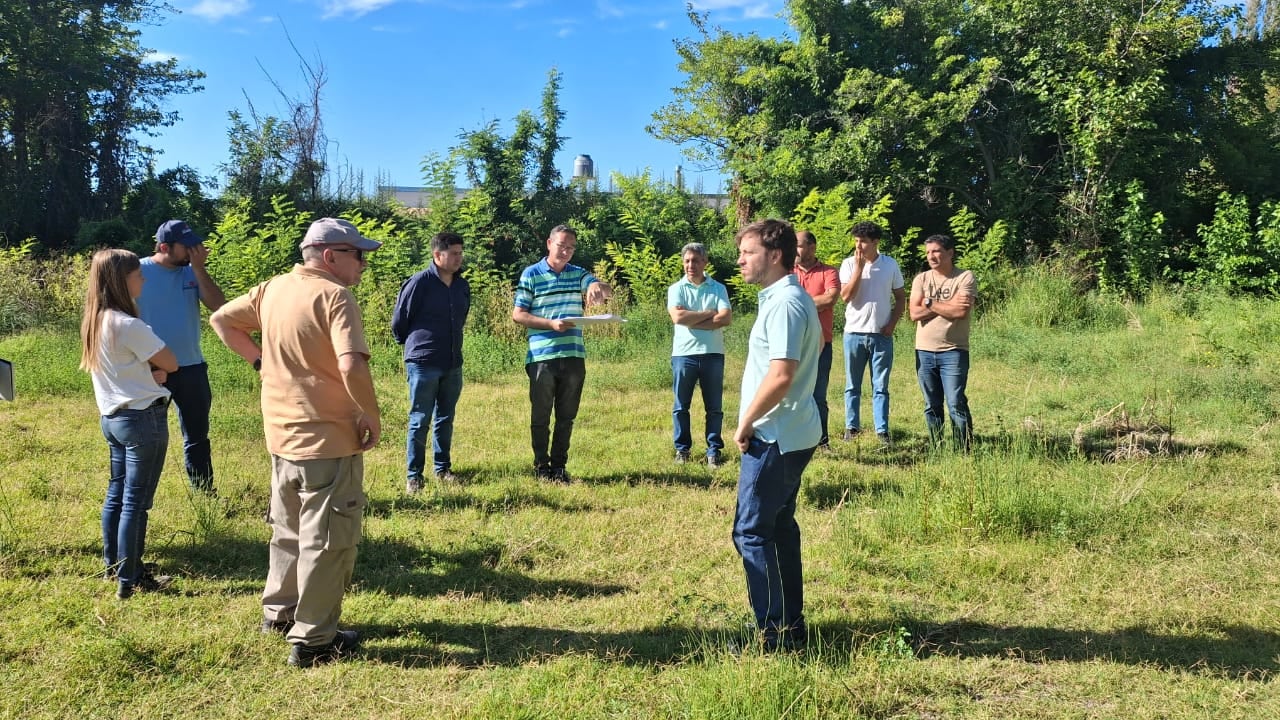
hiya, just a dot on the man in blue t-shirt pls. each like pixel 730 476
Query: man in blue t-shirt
pixel 175 282
pixel 549 291
pixel 699 308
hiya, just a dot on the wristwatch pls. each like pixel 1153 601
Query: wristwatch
pixel 928 302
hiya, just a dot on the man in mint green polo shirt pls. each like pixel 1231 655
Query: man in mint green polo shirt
pixel 778 430
pixel 549 291
pixel 699 307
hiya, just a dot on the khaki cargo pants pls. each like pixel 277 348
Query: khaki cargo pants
pixel 316 508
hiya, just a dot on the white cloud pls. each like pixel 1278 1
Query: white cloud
pixel 660 25
pixel 564 32
pixel 218 9
pixel 156 56
pixel 605 8
pixel 354 8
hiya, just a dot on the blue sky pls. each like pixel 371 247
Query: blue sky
pixel 405 77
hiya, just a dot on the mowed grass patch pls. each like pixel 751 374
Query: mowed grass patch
pixel 1032 578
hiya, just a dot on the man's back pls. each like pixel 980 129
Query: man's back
pixel 308 320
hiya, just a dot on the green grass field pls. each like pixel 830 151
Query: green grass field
pixel 1111 548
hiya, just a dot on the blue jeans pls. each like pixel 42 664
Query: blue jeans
pixel 554 385
pixel 138 440
pixel 820 390
pixel 191 393
pixel 858 349
pixel 945 375
pixel 432 392
pixel 706 371
pixel 768 538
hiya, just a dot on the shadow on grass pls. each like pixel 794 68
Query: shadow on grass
pixel 1234 651
pixel 825 494
pixel 488 570
pixel 696 476
pixel 477 645
pixel 1240 653
pixel 1099 448
pixel 458 497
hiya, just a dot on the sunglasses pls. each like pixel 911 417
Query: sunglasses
pixel 359 253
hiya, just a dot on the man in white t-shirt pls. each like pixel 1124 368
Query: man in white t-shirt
pixel 871 286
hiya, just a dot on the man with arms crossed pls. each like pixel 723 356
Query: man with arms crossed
pixel 823 285
pixel 176 283
pixel 549 291
pixel 428 319
pixel 778 429
pixel 941 305
pixel 316 431
pixel 871 286
pixel 699 307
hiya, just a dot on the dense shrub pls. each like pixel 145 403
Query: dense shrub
pixel 35 292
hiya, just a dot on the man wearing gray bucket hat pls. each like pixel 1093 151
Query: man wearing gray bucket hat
pixel 319 416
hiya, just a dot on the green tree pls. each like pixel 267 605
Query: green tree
pixel 1033 112
pixel 76 93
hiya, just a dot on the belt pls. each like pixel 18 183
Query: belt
pixel 160 402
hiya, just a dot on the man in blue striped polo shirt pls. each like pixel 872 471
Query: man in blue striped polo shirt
pixel 549 291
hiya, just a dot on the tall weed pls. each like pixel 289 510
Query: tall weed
pixel 39 291
pixel 1052 296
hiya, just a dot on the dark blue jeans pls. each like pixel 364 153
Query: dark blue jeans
pixel 191 393
pixel 706 371
pixel 432 392
pixel 554 385
pixel 138 440
pixel 860 349
pixel 820 389
pixel 945 375
pixel 768 538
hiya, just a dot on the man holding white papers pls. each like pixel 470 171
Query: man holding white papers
pixel 699 307
pixel 550 291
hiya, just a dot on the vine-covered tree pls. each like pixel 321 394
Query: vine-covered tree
pixel 1037 112
pixel 76 93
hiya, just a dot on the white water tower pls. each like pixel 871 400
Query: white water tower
pixel 583 168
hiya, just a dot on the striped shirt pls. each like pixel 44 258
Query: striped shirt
pixel 550 295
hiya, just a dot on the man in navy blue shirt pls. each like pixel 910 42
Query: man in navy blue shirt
pixel 428 320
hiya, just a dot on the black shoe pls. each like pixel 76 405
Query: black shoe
pixel 544 472
pixel 148 582
pixel 305 656
pixel 276 626
pixel 851 433
pixel 560 475
pixel 885 442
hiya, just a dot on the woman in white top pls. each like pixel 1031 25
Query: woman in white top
pixel 127 363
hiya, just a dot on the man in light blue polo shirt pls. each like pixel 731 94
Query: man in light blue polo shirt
pixel 176 283
pixel 699 307
pixel 549 291
pixel 778 430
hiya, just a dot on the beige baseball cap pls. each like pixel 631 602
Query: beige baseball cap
pixel 332 231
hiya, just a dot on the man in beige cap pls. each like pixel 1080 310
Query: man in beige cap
pixel 316 431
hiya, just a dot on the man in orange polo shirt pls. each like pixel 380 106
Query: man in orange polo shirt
pixel 822 282
pixel 319 415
